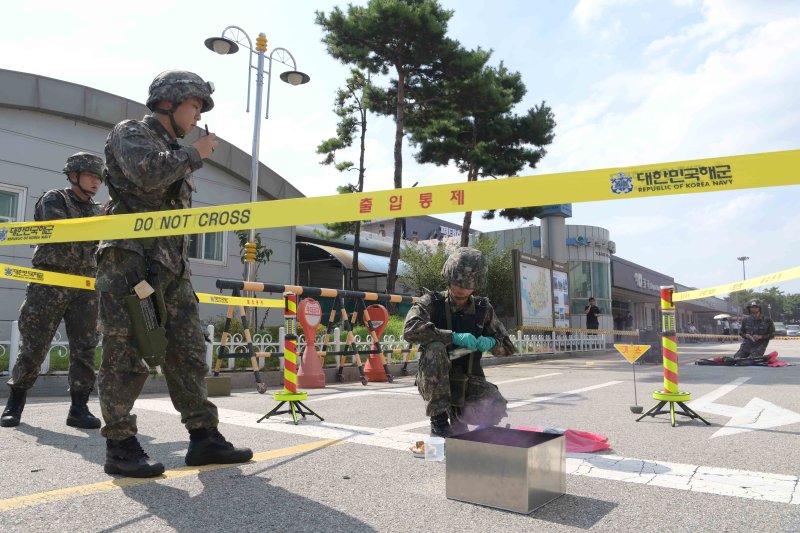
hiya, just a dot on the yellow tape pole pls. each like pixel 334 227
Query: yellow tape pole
pixel 771 169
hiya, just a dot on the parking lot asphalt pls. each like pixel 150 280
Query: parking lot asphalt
pixel 354 471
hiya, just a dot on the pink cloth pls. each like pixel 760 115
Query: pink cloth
pixel 577 441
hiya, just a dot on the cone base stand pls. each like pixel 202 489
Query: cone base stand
pixel 376 369
pixel 296 406
pixel 672 398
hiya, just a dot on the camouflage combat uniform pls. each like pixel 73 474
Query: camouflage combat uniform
pixel 46 305
pixel 148 172
pixel 427 325
pixel 751 326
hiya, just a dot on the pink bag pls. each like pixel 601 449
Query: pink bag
pixel 577 441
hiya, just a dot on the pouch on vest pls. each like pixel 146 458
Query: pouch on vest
pixel 148 316
pixel 458 389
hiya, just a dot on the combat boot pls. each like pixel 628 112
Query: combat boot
pixel 208 446
pixel 440 426
pixel 79 415
pixel 127 458
pixel 13 411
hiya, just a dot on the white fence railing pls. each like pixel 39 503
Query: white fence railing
pixel 554 342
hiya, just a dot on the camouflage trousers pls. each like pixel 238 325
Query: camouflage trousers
pixel 483 403
pixel 750 349
pixel 123 372
pixel 40 315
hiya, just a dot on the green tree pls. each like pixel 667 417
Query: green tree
pixel 408 36
pixel 351 108
pixel 424 271
pixel 479 133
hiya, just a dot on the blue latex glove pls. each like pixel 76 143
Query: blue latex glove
pixel 467 340
pixel 484 344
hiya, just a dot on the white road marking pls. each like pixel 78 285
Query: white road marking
pixel 756 415
pixel 405 390
pixel 540 399
pixel 738 483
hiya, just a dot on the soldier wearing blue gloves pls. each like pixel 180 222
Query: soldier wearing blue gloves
pixel 454 328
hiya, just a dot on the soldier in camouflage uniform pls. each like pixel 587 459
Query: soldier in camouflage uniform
pixel 756 330
pixel 148 170
pixel 46 305
pixel 454 328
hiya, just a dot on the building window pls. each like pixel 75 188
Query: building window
pixel 208 247
pixel 12 203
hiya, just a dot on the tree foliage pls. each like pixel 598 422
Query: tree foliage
pixel 351 108
pixel 406 37
pixel 781 306
pixel 477 130
pixel 424 271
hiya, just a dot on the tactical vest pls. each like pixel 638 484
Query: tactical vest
pixel 460 322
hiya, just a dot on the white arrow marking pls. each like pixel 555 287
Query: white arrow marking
pixel 757 414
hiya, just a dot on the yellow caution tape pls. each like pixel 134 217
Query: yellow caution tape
pixel 33 275
pixel 702 175
pixel 45 277
pixel 769 279
pixel 220 299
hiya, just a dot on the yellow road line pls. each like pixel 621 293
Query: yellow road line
pixel 40 498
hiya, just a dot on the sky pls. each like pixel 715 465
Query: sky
pixel 630 82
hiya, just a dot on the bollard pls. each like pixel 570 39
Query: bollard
pixel 670 394
pixel 290 394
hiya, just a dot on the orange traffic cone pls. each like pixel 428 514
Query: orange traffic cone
pixel 310 374
pixel 376 317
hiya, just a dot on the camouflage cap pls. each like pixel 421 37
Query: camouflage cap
pixel 176 86
pixel 466 267
pixel 84 162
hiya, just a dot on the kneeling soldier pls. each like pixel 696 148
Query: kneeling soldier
pixel 454 328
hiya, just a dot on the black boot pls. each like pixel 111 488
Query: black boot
pixel 440 426
pixel 79 415
pixel 127 458
pixel 208 446
pixel 14 407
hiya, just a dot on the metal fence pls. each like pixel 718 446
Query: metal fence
pixel 552 342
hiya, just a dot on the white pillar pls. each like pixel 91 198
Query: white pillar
pixel 210 346
pixel 13 348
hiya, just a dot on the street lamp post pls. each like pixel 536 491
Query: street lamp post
pixel 230 45
pixel 743 259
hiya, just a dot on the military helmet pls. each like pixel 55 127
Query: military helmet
pixel 176 86
pixel 466 267
pixel 84 162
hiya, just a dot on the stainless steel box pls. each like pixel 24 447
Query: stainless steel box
pixel 506 468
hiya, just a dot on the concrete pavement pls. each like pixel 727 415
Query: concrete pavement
pixel 353 472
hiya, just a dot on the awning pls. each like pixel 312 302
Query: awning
pixel 366 262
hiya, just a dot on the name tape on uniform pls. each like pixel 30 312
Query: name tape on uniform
pixel 703 175
pixel 45 277
pixel 769 279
